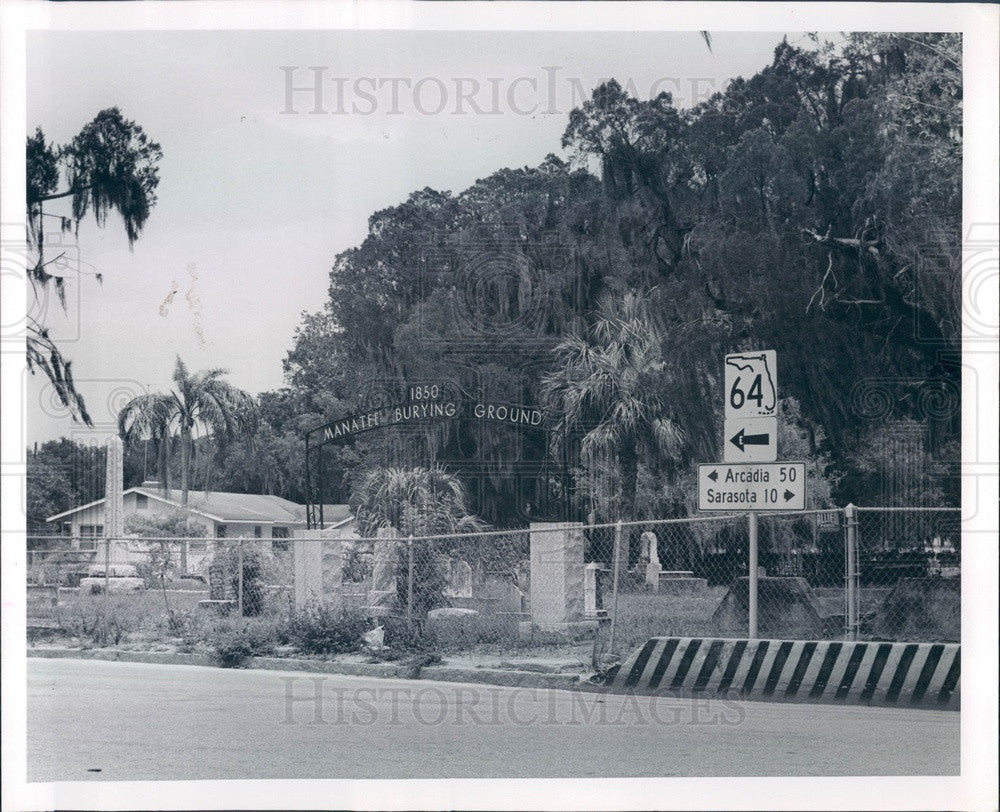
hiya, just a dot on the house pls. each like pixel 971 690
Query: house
pixel 224 515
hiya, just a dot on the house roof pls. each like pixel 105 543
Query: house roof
pixel 221 506
pixel 333 515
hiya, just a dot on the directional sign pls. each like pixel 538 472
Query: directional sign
pixel 751 384
pixel 751 440
pixel 752 486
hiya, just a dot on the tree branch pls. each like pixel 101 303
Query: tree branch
pixel 67 193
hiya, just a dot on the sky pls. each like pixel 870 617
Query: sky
pixel 259 192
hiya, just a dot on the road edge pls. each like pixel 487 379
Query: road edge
pixel 439 673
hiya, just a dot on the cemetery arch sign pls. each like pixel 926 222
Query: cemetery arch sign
pixel 541 483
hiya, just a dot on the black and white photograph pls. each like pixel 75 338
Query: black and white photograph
pixel 500 405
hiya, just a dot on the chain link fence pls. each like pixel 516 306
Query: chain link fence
pixel 109 591
pixel 908 574
pixel 855 573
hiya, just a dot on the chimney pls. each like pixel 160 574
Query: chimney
pixel 151 484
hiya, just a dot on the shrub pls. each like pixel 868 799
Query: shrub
pixel 97 628
pixel 233 645
pixel 399 637
pixel 322 629
pixel 255 565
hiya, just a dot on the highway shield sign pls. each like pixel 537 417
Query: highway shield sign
pixel 751 384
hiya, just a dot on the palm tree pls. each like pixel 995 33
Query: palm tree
pixel 607 386
pixel 413 502
pixel 202 399
pixel 410 502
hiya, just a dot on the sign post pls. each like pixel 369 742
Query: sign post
pixel 750 478
pixel 752 584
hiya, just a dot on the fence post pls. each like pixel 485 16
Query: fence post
pixel 107 572
pixel 615 572
pixel 239 577
pixel 409 584
pixel 851 538
pixel 752 620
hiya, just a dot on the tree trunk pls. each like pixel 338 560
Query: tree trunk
pixel 163 463
pixel 185 462
pixel 185 483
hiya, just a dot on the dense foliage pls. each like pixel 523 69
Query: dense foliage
pixel 813 208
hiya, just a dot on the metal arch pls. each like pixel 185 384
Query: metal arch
pixel 315 456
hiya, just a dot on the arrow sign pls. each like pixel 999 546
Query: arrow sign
pixel 751 440
pixel 752 486
pixel 741 439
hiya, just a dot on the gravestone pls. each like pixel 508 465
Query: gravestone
pixel 217 586
pixel 114 505
pixel 680 582
pixel 459 579
pixel 318 566
pixel 592 607
pixel 501 592
pixel 522 575
pixel 921 609
pixel 556 573
pixel 784 605
pixel 652 556
pixel 382 597
pixel 453 627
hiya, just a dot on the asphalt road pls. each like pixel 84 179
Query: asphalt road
pixel 125 721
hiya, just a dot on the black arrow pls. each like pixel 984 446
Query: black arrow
pixel 713 476
pixel 742 439
pixel 788 495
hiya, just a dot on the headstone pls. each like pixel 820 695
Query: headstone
pixel 650 553
pixel 503 593
pixel 317 566
pixel 785 609
pixel 217 583
pixel 451 627
pixel 114 505
pixel 591 600
pixel 920 609
pixel 459 579
pixel 382 596
pixel 557 573
pixel 522 575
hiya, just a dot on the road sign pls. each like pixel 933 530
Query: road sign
pixel 752 486
pixel 751 384
pixel 751 440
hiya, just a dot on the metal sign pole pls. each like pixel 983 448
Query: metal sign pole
pixel 409 584
pixel 752 525
pixel 322 486
pixel 310 519
pixel 614 584
pixel 107 572
pixel 851 520
pixel 239 578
